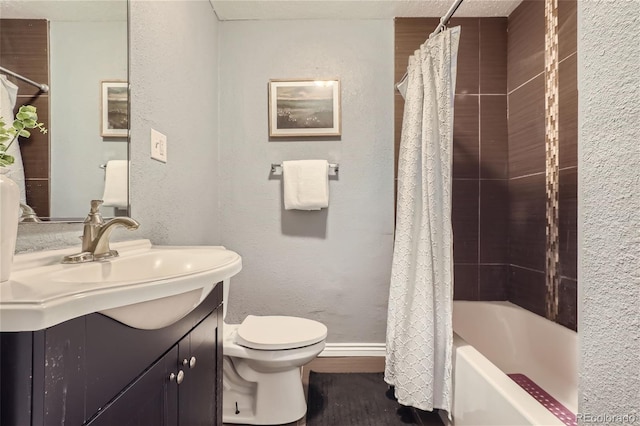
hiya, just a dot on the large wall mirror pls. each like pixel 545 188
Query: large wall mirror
pixel 80 50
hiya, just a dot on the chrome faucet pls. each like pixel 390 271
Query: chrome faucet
pixel 92 223
pixel 96 235
pixel 28 214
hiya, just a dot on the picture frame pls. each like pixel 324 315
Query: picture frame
pixel 114 108
pixel 304 107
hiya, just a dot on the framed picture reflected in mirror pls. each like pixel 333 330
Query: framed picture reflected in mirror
pixel 114 109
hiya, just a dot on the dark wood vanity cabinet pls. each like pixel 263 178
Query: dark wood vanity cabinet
pixel 96 371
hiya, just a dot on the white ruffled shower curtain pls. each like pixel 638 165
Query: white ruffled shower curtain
pixel 419 324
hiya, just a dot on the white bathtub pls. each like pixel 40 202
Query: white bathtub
pixel 493 339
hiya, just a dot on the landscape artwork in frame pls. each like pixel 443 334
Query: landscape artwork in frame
pixel 304 108
pixel 114 109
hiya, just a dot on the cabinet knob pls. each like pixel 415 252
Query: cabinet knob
pixel 190 362
pixel 177 377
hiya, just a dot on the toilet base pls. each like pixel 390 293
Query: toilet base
pixel 257 398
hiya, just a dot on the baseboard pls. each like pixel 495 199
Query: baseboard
pixel 353 349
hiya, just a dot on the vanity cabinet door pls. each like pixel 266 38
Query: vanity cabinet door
pixel 180 389
pixel 198 359
pixel 60 371
pixel 151 400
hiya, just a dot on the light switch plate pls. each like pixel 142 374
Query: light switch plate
pixel 158 146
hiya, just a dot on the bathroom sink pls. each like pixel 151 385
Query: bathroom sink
pixel 154 264
pixel 147 287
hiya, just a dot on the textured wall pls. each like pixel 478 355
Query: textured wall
pixel 609 182
pixel 174 89
pixel 332 265
pixel 36 237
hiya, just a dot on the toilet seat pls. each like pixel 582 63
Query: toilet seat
pixel 279 332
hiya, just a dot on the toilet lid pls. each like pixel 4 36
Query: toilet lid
pixel 279 332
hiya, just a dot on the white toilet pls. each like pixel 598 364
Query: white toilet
pixel 262 384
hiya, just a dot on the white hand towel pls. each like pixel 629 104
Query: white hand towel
pixel 306 184
pixel 116 185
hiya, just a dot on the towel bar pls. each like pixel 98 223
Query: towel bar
pixel 275 167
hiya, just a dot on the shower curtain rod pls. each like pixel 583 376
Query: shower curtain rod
pixel 445 19
pixel 441 26
pixel 43 87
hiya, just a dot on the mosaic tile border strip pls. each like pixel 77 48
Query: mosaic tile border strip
pixel 551 60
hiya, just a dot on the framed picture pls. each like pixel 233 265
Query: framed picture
pixel 114 109
pixel 304 108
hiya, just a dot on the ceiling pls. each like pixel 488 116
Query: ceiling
pixel 65 10
pixel 103 10
pixel 356 9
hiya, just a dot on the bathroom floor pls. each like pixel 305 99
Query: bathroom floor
pixel 357 365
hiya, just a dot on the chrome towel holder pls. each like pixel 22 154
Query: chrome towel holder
pixel 334 166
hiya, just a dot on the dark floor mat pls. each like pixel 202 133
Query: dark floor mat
pixel 354 399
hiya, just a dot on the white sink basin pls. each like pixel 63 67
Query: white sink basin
pixel 147 287
pixel 157 263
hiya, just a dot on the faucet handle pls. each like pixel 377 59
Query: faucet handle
pixel 95 206
pixel 94 218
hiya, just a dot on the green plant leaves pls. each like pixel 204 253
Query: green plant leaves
pixel 6 159
pixel 26 118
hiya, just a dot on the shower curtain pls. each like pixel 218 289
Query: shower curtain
pixel 419 324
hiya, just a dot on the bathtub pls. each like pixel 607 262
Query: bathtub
pixel 493 339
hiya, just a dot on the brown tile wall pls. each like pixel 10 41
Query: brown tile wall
pixel 480 161
pixel 24 49
pixel 526 164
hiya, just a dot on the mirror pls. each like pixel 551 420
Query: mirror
pixel 85 109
